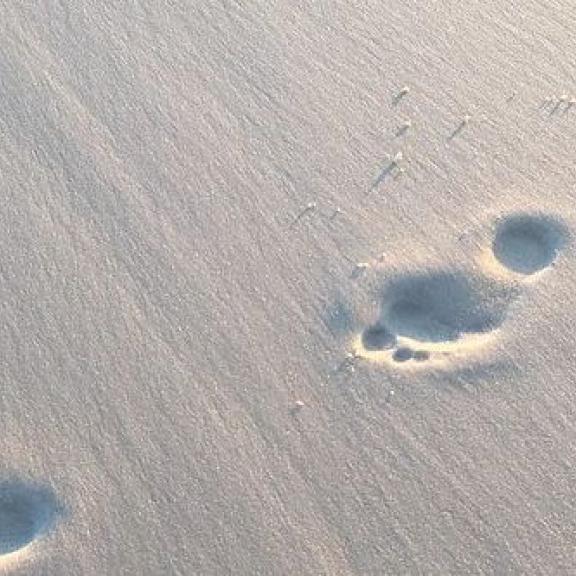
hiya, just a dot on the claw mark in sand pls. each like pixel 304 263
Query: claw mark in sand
pixel 309 208
pixel 555 103
pixel 463 123
pixel 403 128
pixel 393 168
pixel 398 97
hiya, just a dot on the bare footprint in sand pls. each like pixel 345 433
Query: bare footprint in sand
pixel 434 314
pixel 26 513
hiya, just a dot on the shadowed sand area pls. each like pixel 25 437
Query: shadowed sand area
pixel 441 306
pixel 527 244
pixel 26 513
pixel 435 311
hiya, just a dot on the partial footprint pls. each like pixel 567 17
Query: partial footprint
pixel 526 244
pixel 26 512
pixel 434 312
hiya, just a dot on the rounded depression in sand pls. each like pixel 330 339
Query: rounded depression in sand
pixel 26 513
pixel 440 306
pixel 527 244
pixel 434 313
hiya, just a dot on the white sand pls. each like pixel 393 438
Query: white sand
pixel 187 189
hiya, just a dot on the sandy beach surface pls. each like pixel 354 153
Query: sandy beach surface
pixel 287 287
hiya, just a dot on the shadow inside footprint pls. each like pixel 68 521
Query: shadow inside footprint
pixel 26 512
pixel 442 306
pixel 526 244
pixel 378 337
pixel 433 312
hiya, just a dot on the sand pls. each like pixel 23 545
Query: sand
pixel 287 288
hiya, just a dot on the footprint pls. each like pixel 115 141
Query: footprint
pixel 437 313
pixel 526 244
pixel 26 513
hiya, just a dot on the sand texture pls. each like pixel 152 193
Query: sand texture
pixel 287 288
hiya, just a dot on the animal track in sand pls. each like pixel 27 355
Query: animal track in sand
pixel 26 513
pixel 432 314
pixel 527 244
